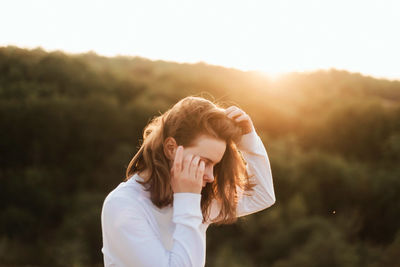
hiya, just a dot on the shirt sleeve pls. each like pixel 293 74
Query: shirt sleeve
pixel 263 196
pixel 132 242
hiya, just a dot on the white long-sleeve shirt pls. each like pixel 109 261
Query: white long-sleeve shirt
pixel 136 233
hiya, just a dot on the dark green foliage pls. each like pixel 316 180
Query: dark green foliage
pixel 69 125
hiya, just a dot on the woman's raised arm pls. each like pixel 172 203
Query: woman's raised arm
pixel 253 151
pixel 263 196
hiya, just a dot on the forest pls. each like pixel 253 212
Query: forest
pixel 70 124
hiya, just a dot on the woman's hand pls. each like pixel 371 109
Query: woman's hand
pixel 187 173
pixel 239 116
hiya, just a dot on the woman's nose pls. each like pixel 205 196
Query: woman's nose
pixel 209 175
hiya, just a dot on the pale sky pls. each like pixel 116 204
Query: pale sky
pixel 272 36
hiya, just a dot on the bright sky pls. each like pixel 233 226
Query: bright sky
pixel 274 36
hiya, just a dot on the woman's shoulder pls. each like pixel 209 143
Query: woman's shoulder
pixel 121 207
pixel 127 195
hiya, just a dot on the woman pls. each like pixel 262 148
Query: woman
pixel 193 169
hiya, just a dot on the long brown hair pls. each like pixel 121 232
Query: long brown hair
pixel 185 121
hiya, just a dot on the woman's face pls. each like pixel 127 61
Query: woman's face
pixel 210 150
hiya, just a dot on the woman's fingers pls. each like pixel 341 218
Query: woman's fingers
pixel 193 167
pixel 187 172
pixel 200 171
pixel 235 113
pixel 230 109
pixel 186 165
pixel 177 166
pixel 240 117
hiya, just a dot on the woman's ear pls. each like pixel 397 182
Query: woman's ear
pixel 170 147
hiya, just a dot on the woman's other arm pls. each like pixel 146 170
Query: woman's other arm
pixel 253 151
pixel 263 196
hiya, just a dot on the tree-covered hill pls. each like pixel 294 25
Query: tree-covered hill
pixel 70 123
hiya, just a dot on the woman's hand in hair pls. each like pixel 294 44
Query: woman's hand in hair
pixel 187 173
pixel 240 117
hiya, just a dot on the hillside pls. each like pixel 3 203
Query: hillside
pixel 70 123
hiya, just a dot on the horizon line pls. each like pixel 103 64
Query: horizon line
pixel 272 75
